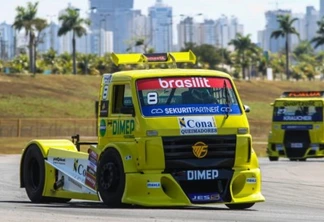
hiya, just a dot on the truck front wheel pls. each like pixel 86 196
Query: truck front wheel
pixel 239 206
pixel 111 178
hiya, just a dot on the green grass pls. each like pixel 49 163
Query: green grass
pixel 69 96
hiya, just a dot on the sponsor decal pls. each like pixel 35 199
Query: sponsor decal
pixel 205 197
pixel 123 127
pixel 105 92
pixel 202 174
pixel 200 149
pixel 251 180
pixel 174 110
pixel 157 111
pixel 103 108
pixel 297 127
pixel 297 118
pixel 298 103
pixel 102 127
pixel 296 145
pixel 91 171
pixel 156 57
pixel 90 180
pixel 182 82
pixel 303 94
pixel 153 184
pixel 93 154
pixel 197 125
pixel 107 78
pixel 59 160
pixel 79 168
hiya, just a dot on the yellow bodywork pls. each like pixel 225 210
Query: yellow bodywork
pixel 306 137
pixel 141 149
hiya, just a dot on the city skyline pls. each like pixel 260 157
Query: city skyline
pixel 253 18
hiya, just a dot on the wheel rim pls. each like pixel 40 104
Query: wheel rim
pixel 109 177
pixel 34 174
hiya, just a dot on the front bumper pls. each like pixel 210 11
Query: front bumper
pixel 158 189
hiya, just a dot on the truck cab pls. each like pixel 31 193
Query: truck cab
pixel 297 126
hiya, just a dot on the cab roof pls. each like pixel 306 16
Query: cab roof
pixel 153 73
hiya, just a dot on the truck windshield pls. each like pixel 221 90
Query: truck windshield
pixel 175 96
pixel 301 111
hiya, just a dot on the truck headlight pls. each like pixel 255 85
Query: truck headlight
pixel 279 147
pixel 314 146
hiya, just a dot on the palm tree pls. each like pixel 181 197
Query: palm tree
pixel 319 39
pixel 285 29
pixel 71 21
pixel 26 19
pixel 242 45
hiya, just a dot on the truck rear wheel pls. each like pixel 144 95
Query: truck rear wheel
pixel 111 178
pixel 34 174
pixel 273 158
pixel 239 206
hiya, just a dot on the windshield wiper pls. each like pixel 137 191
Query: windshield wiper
pixel 227 100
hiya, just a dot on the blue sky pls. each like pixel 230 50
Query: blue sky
pixel 249 12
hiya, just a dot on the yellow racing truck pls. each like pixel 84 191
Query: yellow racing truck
pixel 167 137
pixel 297 130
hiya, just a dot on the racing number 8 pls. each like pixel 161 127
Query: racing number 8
pixel 152 98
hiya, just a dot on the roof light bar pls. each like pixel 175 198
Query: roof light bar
pixel 154 58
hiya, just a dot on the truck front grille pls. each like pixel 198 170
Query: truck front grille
pixel 179 152
pixel 296 143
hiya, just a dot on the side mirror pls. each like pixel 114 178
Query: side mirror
pixel 128 110
pixel 246 108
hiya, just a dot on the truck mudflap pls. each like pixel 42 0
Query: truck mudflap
pixel 158 189
pixel 74 175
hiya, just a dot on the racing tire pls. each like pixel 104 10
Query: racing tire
pixel 111 178
pixel 239 206
pixel 273 158
pixel 302 159
pixel 34 174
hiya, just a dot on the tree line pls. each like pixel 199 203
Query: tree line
pixel 246 61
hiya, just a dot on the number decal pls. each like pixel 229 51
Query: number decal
pixel 152 98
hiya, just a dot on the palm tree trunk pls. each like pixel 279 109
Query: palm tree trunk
pixel 243 66
pixel 31 53
pixel 287 58
pixel 73 53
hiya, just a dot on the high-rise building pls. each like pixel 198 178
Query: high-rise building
pixel 321 12
pixel 160 16
pixel 114 16
pixel 311 18
pixel 300 26
pixel 7 41
pixel 49 38
pixel 272 44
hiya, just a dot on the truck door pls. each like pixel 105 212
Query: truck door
pixel 121 121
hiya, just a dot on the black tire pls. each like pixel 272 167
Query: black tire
pixel 302 159
pixel 273 158
pixel 239 206
pixel 111 178
pixel 34 174
pixel 291 159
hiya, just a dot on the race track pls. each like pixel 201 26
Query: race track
pixel 293 191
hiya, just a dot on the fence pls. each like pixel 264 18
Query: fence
pixel 83 127
pixel 47 127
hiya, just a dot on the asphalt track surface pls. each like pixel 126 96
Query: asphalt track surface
pixel 294 191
